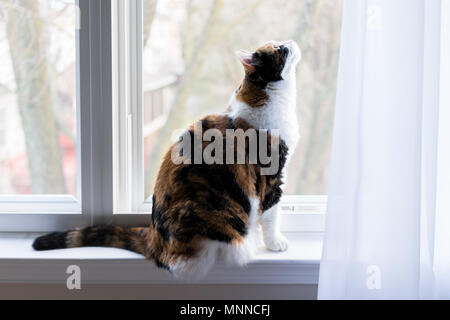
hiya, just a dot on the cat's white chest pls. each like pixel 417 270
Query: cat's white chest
pixel 279 114
pixel 285 122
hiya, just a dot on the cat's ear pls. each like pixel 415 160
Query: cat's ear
pixel 246 60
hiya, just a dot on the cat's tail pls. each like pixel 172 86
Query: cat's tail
pixel 133 239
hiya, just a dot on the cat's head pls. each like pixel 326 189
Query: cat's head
pixel 274 61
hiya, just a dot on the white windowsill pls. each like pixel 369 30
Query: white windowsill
pixel 19 263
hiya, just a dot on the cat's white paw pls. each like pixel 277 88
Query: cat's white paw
pixel 277 243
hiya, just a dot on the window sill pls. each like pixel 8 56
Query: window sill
pixel 19 263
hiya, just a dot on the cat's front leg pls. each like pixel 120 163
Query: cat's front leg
pixel 273 239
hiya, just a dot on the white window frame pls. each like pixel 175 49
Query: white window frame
pixel 299 213
pixel 94 139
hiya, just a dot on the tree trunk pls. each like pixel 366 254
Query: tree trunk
pixel 28 52
pixel 149 14
pixel 177 109
pixel 311 177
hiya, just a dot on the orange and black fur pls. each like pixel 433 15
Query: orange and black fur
pixel 202 212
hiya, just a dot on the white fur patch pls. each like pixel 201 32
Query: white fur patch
pixel 241 254
pixel 230 254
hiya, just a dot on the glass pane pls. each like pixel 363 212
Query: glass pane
pixel 38 144
pixel 190 70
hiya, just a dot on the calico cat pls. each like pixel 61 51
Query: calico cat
pixel 204 212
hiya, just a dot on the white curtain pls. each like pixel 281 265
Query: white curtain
pixel 388 225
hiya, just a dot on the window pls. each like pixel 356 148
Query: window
pixel 39 145
pixel 84 140
pixel 176 64
pixel 50 77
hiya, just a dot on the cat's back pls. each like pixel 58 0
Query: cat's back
pixel 197 205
